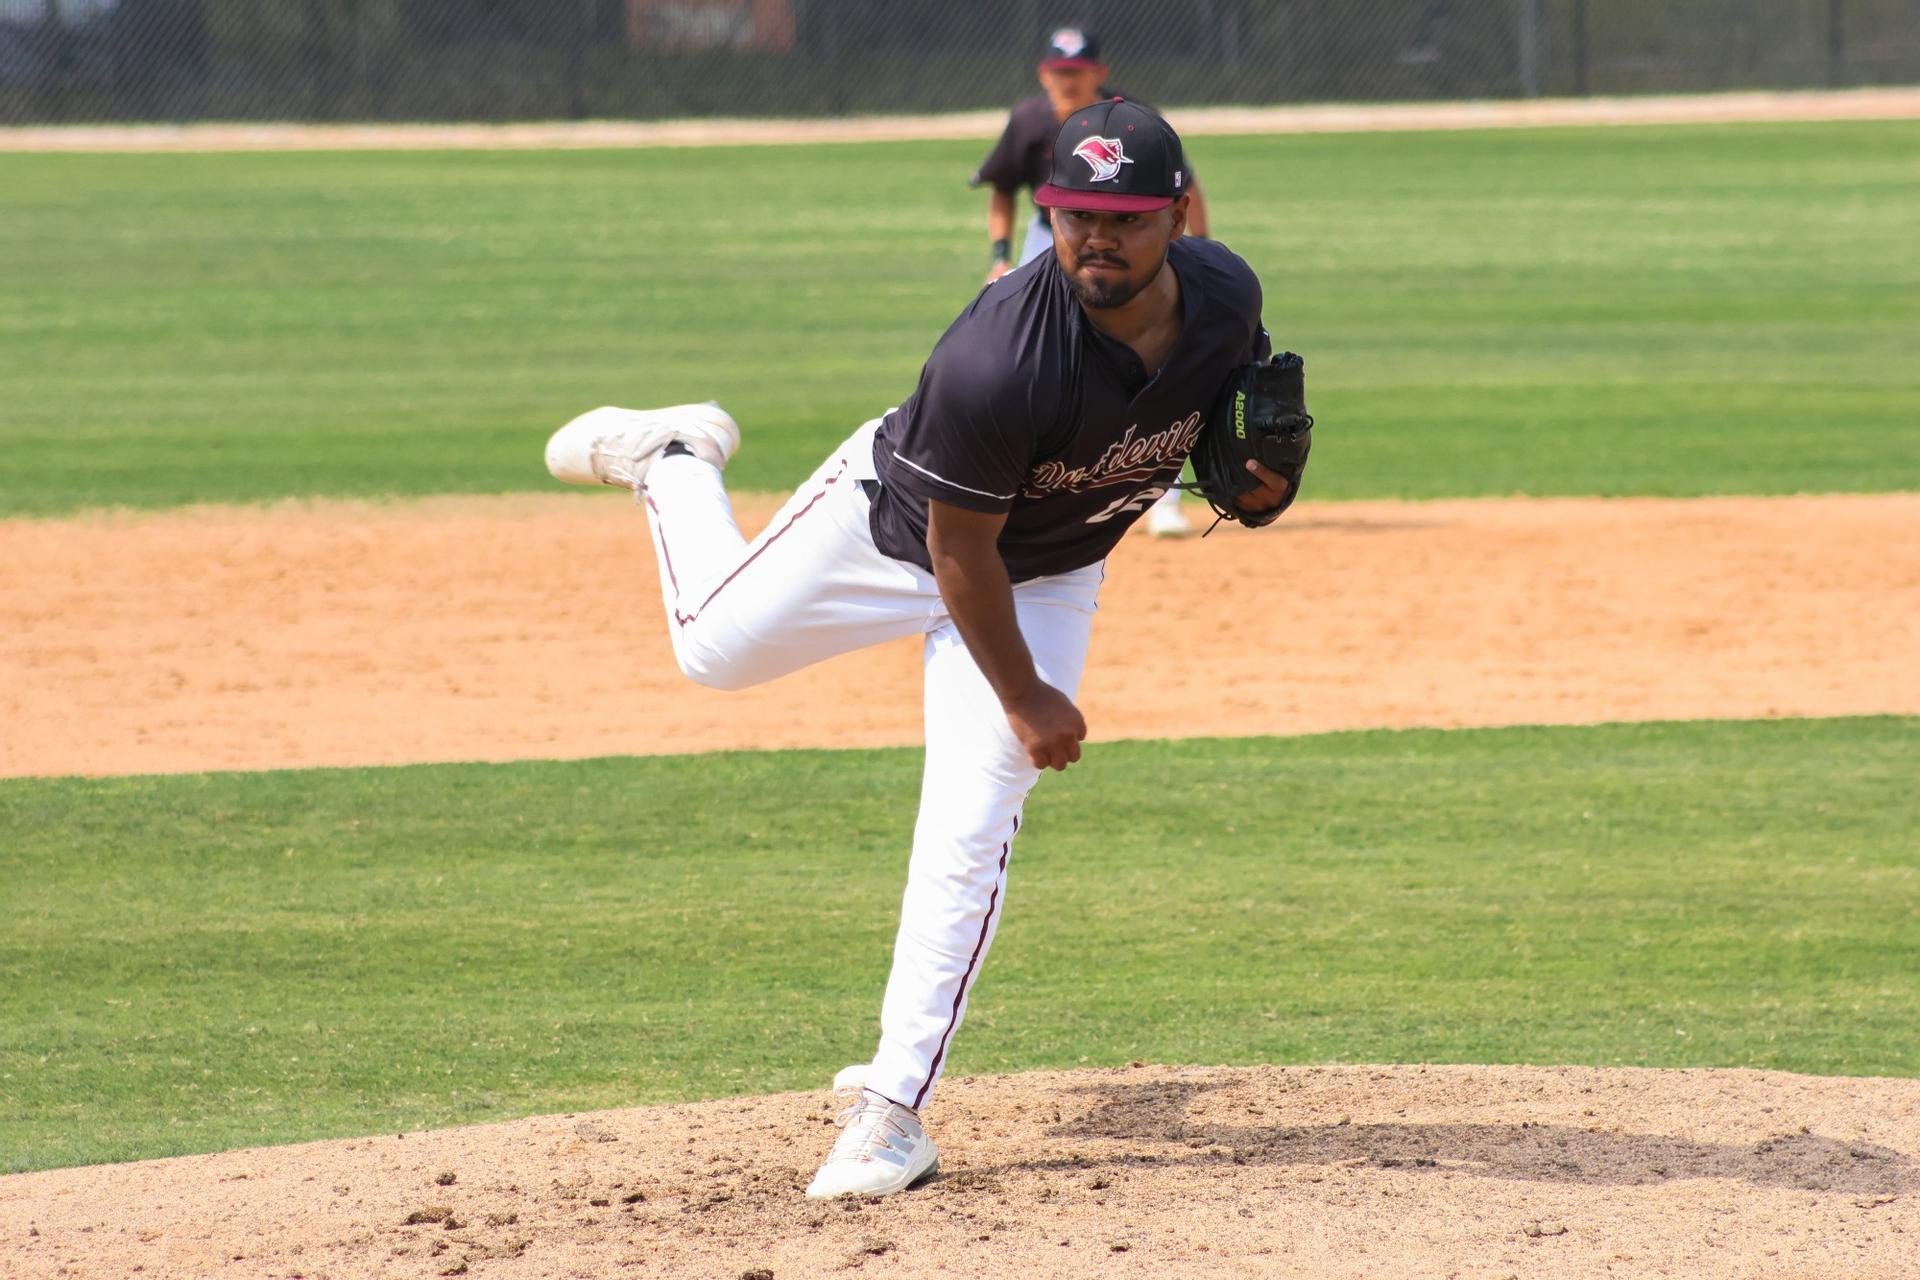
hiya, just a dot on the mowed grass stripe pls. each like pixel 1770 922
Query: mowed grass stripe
pixel 1617 311
pixel 194 963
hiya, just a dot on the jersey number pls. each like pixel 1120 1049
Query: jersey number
pixel 1134 503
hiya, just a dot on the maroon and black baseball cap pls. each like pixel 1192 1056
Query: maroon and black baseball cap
pixel 1071 47
pixel 1118 157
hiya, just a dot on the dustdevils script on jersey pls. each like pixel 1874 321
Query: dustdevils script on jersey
pixel 1128 460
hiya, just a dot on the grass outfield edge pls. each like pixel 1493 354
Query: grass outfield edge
pixel 1397 733
pixel 1803 106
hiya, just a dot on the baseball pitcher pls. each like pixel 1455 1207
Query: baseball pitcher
pixel 977 515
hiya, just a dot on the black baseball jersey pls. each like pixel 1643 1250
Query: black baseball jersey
pixel 1024 155
pixel 1026 407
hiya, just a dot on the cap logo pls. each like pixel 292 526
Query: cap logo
pixel 1070 41
pixel 1104 156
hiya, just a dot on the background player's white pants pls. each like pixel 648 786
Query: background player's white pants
pixel 1168 501
pixel 1038 240
pixel 813 585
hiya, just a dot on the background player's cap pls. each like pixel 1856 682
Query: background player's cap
pixel 1072 47
pixel 1116 156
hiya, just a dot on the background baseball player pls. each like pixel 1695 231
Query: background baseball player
pixel 1072 77
pixel 977 515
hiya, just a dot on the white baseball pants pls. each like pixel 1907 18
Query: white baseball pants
pixel 813 585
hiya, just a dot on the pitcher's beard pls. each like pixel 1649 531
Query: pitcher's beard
pixel 1103 292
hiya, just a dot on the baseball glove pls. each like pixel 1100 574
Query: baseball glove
pixel 1261 413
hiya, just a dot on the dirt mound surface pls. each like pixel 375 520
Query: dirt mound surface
pixel 1150 1171
pixel 524 627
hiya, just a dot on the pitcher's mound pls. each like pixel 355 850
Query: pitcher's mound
pixel 1149 1171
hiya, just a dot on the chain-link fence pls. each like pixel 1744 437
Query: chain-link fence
pixel 100 60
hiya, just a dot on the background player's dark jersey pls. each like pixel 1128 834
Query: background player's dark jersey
pixel 1023 157
pixel 1026 407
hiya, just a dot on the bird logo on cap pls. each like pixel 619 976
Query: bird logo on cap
pixel 1105 155
pixel 1070 41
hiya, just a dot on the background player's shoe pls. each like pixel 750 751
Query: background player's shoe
pixel 881 1149
pixel 1166 519
pixel 618 446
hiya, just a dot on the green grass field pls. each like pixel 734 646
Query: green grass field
pixel 1618 311
pixel 200 962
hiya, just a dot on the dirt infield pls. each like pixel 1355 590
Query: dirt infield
pixel 493 629
pixel 1324 1172
pixel 1714 108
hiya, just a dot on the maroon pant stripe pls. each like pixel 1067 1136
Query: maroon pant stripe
pixel 953 1019
pixel 666 554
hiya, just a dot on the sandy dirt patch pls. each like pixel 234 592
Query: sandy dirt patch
pixel 1890 103
pixel 530 627
pixel 1318 1172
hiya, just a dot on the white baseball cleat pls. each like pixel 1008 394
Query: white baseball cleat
pixel 618 446
pixel 1167 520
pixel 881 1148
